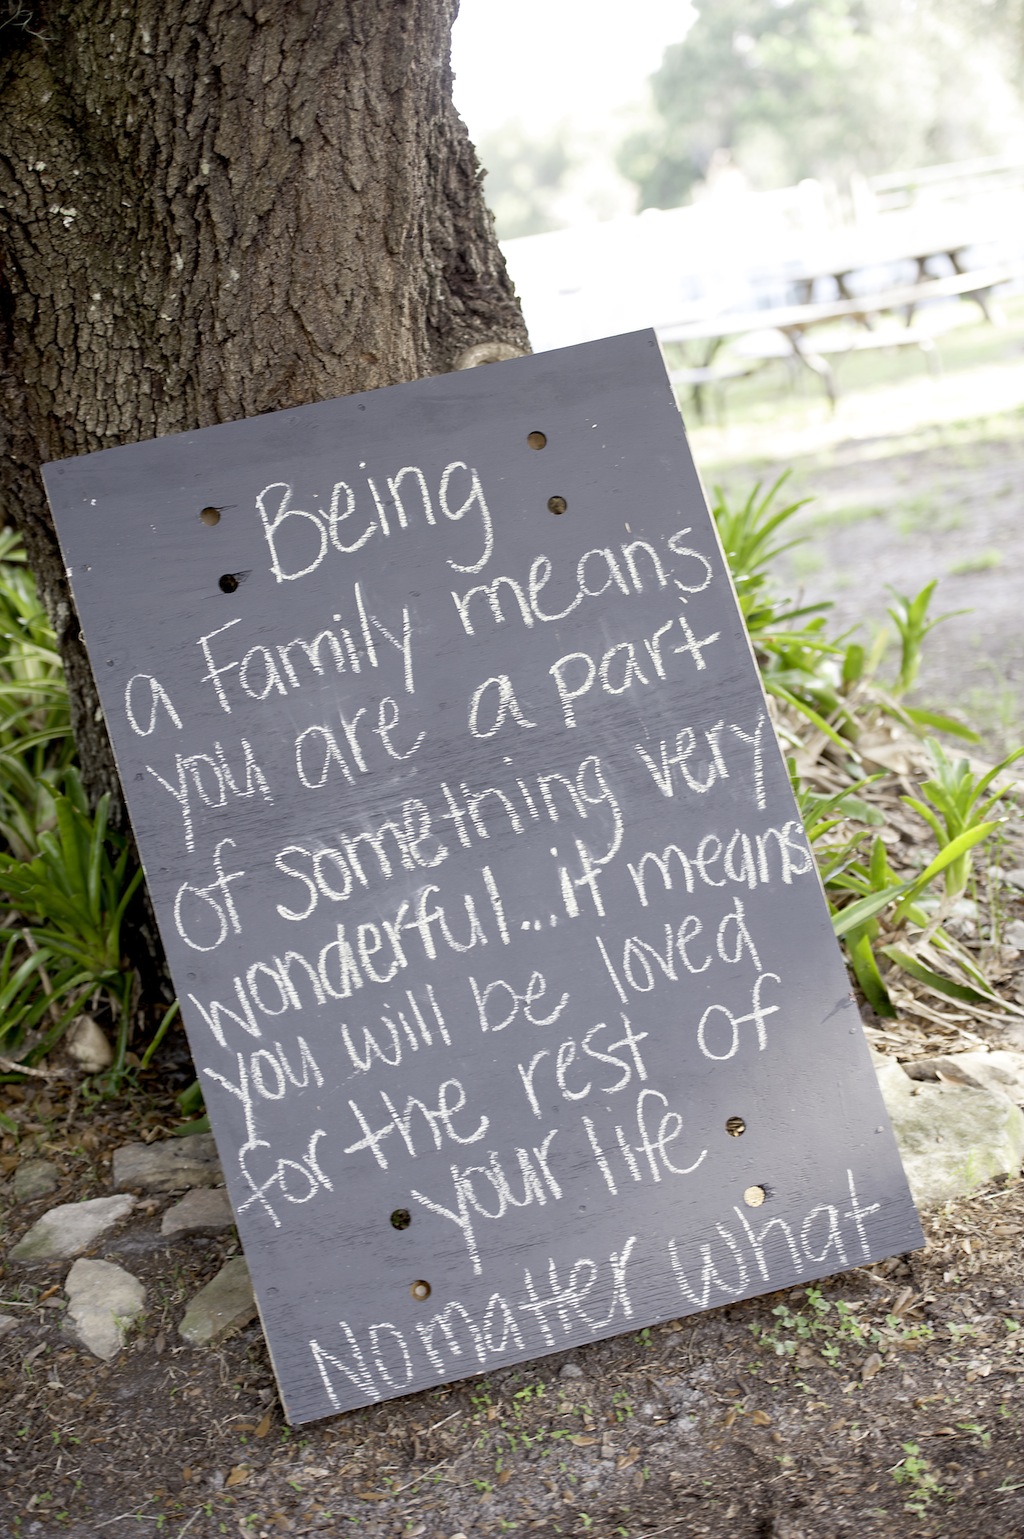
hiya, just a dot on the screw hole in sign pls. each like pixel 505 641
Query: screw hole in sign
pixel 536 439
pixel 420 1290
pixel 735 1127
pixel 228 583
pixel 209 516
pixel 557 504
pixel 401 1218
pixel 754 1196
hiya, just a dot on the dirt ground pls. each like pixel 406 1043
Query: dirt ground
pixel 886 1401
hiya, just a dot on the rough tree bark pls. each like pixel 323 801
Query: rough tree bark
pixel 214 208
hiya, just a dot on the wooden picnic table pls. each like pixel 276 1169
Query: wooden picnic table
pixel 792 324
pixel 948 237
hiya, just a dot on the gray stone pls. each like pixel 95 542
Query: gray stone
pixel 1000 1071
pixel 952 1137
pixel 168 1166
pixel 1013 935
pixel 86 1044
pixel 203 1209
pixel 963 919
pixel 223 1306
pixel 8 1323
pixel 34 1178
pixel 1016 877
pixel 570 1371
pixel 104 1301
pixel 71 1228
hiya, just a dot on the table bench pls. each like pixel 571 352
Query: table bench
pixel 792 323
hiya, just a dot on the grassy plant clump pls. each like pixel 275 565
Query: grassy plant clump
pixel 918 1478
pixel 839 718
pixel 834 1331
pixel 36 746
pixel 71 899
pixel 66 877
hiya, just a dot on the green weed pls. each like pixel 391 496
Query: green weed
pixel 955 800
pixel 834 687
pixel 913 624
pixel 73 895
pixel 981 561
pixel 67 875
pixel 920 1479
pixel 833 1328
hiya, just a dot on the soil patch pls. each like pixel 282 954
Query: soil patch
pixel 885 1401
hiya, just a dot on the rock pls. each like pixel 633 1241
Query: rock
pixel 963 919
pixel 86 1044
pixel 952 1138
pixel 224 1305
pixel 72 1227
pixel 1016 877
pixel 104 1301
pixel 1013 935
pixel 33 1179
pixel 1000 1071
pixel 934 1069
pixel 570 1371
pixel 202 1209
pixel 168 1166
pixel 8 1323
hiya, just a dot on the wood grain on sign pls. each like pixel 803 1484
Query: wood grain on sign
pixel 505 966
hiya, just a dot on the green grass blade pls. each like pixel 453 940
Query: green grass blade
pixel 953 851
pixel 960 991
pixel 782 693
pixel 924 718
pixel 865 969
pixel 859 912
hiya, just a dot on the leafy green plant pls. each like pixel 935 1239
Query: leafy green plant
pixel 885 920
pixel 834 1328
pixel 35 731
pixel 919 1478
pixel 73 895
pixel 954 801
pixel 73 885
pixel 913 623
pixel 748 534
pixel 40 995
pixel 833 687
pixel 190 1104
pixel 832 683
pixel 66 875
pixel 822 815
pixel 794 661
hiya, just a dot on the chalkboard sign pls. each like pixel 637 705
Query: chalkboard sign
pixel 503 959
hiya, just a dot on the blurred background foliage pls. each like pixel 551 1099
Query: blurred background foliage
pixel 773 92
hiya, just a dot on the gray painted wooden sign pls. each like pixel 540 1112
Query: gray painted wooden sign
pixel 507 973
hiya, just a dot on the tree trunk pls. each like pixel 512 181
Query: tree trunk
pixel 215 208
